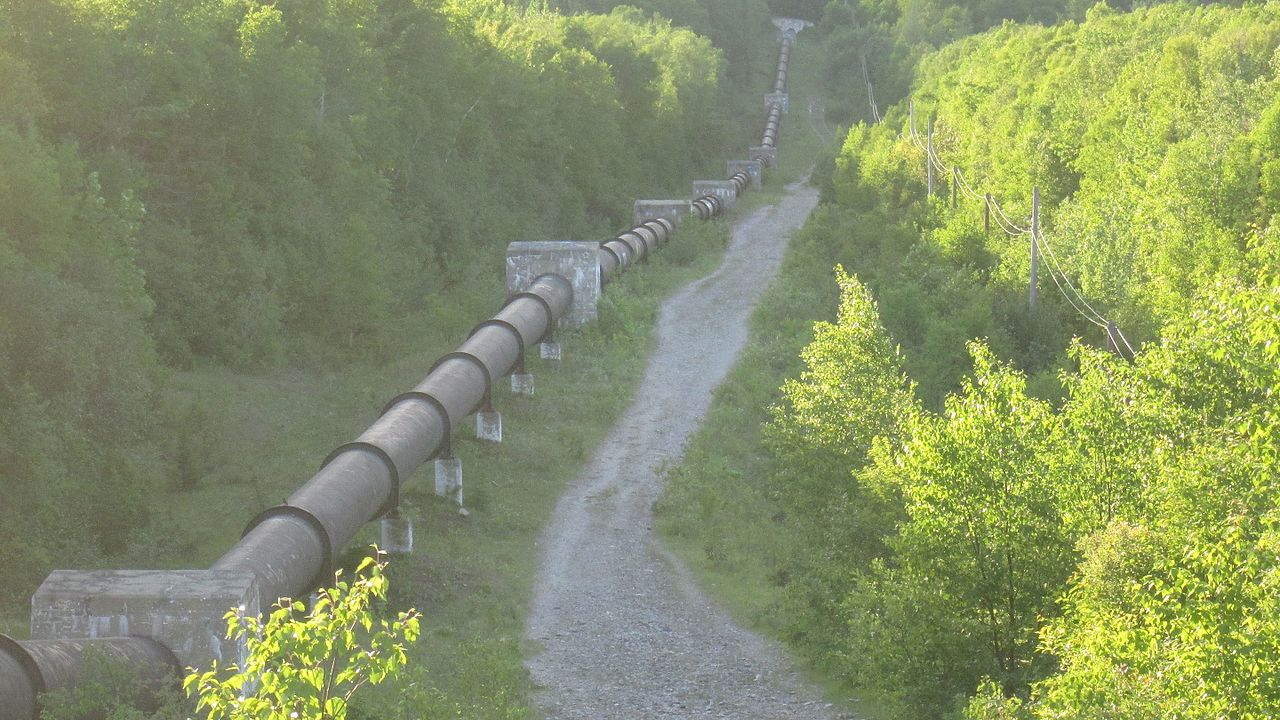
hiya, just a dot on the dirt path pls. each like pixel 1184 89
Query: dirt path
pixel 625 631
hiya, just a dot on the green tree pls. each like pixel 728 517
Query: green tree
pixel 308 663
pixel 981 548
pixel 851 392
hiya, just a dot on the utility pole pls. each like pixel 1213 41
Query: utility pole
pixel 1035 235
pixel 928 161
pixel 986 215
pixel 911 108
pixel 955 186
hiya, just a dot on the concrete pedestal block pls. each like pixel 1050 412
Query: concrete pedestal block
pixel 396 534
pixel 673 210
pixel 549 351
pixel 722 189
pixel 778 98
pixel 575 261
pixel 766 154
pixel 789 27
pixel 181 609
pixel 754 168
pixel 489 426
pixel 449 477
pixel 522 384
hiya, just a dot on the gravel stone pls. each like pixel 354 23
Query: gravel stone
pixel 624 630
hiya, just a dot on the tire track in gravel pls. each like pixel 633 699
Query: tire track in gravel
pixel 625 631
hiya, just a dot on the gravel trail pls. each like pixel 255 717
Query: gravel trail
pixel 624 630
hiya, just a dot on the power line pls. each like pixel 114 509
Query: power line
pixel 1053 273
pixel 871 91
pixel 1061 280
pixel 1053 261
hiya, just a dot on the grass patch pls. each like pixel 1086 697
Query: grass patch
pixel 261 435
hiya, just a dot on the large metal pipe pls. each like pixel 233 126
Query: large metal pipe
pixel 784 60
pixel 632 246
pixel 707 207
pixel 291 548
pixel 771 125
pixel 29 668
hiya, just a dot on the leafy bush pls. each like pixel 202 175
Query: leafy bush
pixel 309 662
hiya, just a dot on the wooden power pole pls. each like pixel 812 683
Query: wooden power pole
pixel 928 160
pixel 1035 236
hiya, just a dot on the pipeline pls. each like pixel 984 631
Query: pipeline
pixel 771 125
pixel 633 246
pixel 291 548
pixel 707 207
pixel 784 60
pixel 31 668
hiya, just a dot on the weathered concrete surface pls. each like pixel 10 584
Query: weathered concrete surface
pixel 449 477
pixel 673 210
pixel 767 155
pixel 753 168
pixel 395 534
pixel 182 609
pixel 789 27
pixel 780 99
pixel 489 426
pixel 575 261
pixel 522 384
pixel 723 189
pixel 624 630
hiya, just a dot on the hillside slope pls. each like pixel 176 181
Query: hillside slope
pixel 951 487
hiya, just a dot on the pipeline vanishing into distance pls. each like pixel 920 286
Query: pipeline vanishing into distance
pixel 291 548
pixel 774 118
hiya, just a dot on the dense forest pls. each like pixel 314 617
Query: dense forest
pixel 987 513
pixel 242 185
pixel 953 504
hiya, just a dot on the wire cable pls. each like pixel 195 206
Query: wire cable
pixel 1000 211
pixel 1132 353
pixel 1060 278
pixel 1003 220
pixel 1054 261
pixel 1054 275
pixel 871 91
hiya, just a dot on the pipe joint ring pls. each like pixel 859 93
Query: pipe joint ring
pixel 616 257
pixel 648 237
pixel 546 307
pixel 393 501
pixel 640 245
pixel 29 666
pixel 659 229
pixel 487 401
pixel 446 447
pixel 324 577
pixel 515 332
pixel 623 251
